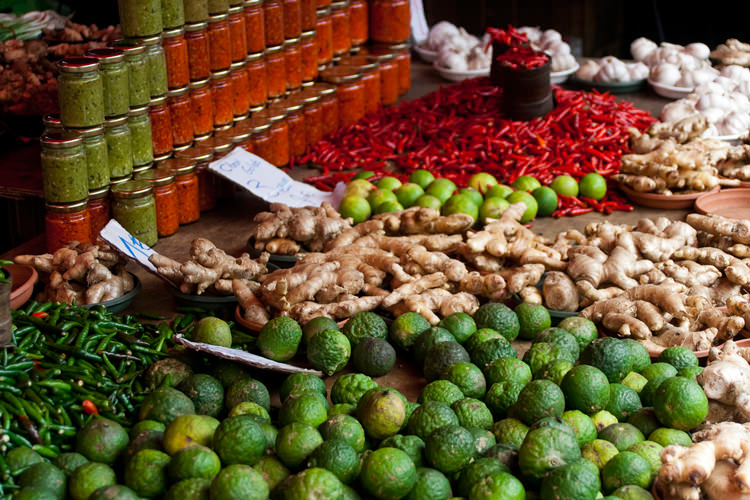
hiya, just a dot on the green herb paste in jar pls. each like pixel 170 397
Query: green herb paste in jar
pixel 97 159
pixel 140 17
pixel 119 149
pixel 63 168
pixel 196 11
pixel 80 92
pixel 114 79
pixel 172 13
pixel 218 6
pixel 140 136
pixel 137 64
pixel 157 66
pixel 133 206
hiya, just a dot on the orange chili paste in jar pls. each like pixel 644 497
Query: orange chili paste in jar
pixel 64 223
pixel 293 63
pixel 240 81
pixel 350 91
pixel 273 19
pixel 202 107
pixel 390 21
pixel 254 26
pixel 165 199
pixel 180 111
pixel 275 71
pixel 199 64
pixel 186 183
pixel 219 42
pixel 221 90
pixel 237 33
pixel 255 64
pixel 176 55
pixel 342 40
pixel 324 28
pixel 358 21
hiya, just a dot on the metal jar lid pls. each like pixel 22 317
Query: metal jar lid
pixel 178 166
pixel 340 5
pixel 294 102
pixel 118 180
pixel 88 132
pixel 150 40
pixel 310 95
pixel 257 108
pixel 59 140
pixel 235 9
pixel 275 112
pixel 96 194
pixel 196 26
pixel 115 122
pixel 199 153
pixel 216 75
pixel 159 176
pixel 256 56
pixel 290 41
pixel 173 32
pixel 379 53
pixel 272 49
pixel 325 88
pixel 323 12
pixel 177 92
pixel 363 62
pixel 340 74
pixel 132 189
pixel 78 65
pixel 198 84
pixel 138 111
pixel 66 208
pixel 52 121
pixel 252 3
pixel 240 118
pixel 129 47
pixel 308 34
pixel 237 65
pixel 158 100
pixel 106 55
pixel 215 18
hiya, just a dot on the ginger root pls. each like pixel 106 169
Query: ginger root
pixel 559 292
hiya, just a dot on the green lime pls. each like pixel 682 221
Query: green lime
pixel 431 485
pixel 564 185
pixel 20 458
pixel 472 194
pixel 365 174
pixel 461 204
pixel 146 473
pixel 239 440
pixel 440 390
pixel 164 405
pixel 428 201
pixel 373 357
pixel 272 470
pixel 545 449
pixel 227 372
pixel 531 205
pixel 346 428
pixel 622 435
pixel 315 482
pixel 206 393
pixel 380 196
pixel 546 199
pixel 350 387
pixel 215 331
pixel 342 409
pixel 593 186
pixel 359 187
pixel 102 440
pixel 631 492
pixel 388 182
pixel 166 372
pixel 279 339
pixel 388 474
pixel 411 445
pixel 586 388
pixel 34 493
pixel 645 419
pixel 526 183
pixel 533 319
pixel 510 431
pixel 146 425
pixel 362 325
pixel 690 372
pixel 599 452
pixel 194 462
pixel 639 355
pixel 189 489
pixel 329 351
pixel 602 419
pixel 382 414
pixel 482 182
pixel 472 413
pixel 679 357
pixel 498 486
pixel 501 396
pixel 247 389
pixel 539 399
pixel 70 461
pixel 428 338
pixel 441 188
pixel 584 330
pixel 316 325
pixel 468 378
pixel 450 448
pixel 406 328
pixel 389 206
pixel 115 491
pixel 44 476
pixel 408 193
pixel 666 437
pixel 659 370
pixel 422 178
pixel 499 191
pixel 622 401
pixel 355 207
pixel 582 425
pixel 300 382
pixel 483 440
pixel 303 408
pixel 295 442
pixel 492 208
pixel 480 336
pixel 626 468
pixel 651 451
pixel 430 416
pixel 540 354
pixel 491 350
pixel 338 457
pixel 508 369
pixel 440 356
pixel 239 482
pixel 498 317
pixel 579 480
pixel 635 381
pixel 612 356
pixel 680 403
pixel 460 325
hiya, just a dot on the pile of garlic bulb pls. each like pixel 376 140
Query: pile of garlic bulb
pixel 723 101
pixel 457 50
pixel 612 70
pixel 674 65
pixel 551 42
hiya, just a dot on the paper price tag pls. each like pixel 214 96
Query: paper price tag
pixel 127 244
pixel 270 183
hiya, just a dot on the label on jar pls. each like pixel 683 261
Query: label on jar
pixel 270 183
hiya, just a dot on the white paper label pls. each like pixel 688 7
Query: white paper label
pixel 127 244
pixel 419 28
pixel 270 183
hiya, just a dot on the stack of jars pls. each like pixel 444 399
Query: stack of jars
pixel 103 134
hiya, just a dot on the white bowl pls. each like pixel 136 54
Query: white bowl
pixel 428 56
pixel 560 76
pixel 669 91
pixel 727 138
pixel 457 76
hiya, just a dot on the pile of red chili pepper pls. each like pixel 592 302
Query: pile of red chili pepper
pixel 459 130
pixel 509 36
pixel 522 58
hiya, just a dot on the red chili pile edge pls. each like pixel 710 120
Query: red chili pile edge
pixel 522 57
pixel 458 131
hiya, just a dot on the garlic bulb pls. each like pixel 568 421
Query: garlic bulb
pixel 640 48
pixel 612 70
pixel 550 35
pixel 698 50
pixel 676 111
pixel 637 71
pixel 452 60
pixel 736 73
pixel 562 62
pixel 734 123
pixel 712 100
pixel 713 115
pixel 438 33
pixel 555 47
pixel 588 70
pixel 665 73
pixel 478 58
pixel 726 84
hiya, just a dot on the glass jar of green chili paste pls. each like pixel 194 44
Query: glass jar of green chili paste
pixel 114 79
pixel 64 168
pixel 172 13
pixel 81 92
pixel 140 136
pixel 196 11
pixel 97 159
pixel 135 60
pixel 133 206
pixel 218 6
pixel 119 148
pixel 140 17
pixel 157 65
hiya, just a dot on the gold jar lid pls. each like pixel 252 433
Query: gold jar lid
pixel 294 102
pixel 198 153
pixel 290 41
pixel 131 189
pixel 138 169
pixel 235 9
pixel 106 55
pixel 158 100
pixel 88 132
pixel 196 26
pixel 150 40
pixel 362 62
pixel 66 208
pixel 273 49
pixel 379 53
pixel 159 176
pixel 163 157
pixel 237 65
pixel 78 65
pixel 310 95
pixel 177 92
pixel 323 12
pixel 254 56
pixel 96 194
pixel 308 83
pixel 60 140
pixel 340 74
pixel 138 111
pixel 255 109
pixel 115 122
pixel 240 118
pixel 215 75
pixel 340 5
pixel 308 34
pixel 198 84
pixel 325 88
pixel 252 3
pixel 118 180
pixel 178 166
pixel 215 18
pixel 173 32
pixel 129 47
pixel 275 112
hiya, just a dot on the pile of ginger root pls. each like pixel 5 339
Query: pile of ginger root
pixel 410 261
pixel 726 382
pixel 81 273
pixel 672 158
pixel 716 466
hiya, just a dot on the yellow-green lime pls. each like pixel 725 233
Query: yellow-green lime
pixel 146 473
pixel 546 199
pixel 379 196
pixel 680 403
pixel 350 387
pixel 313 483
pixel 599 452
pixel 651 451
pixel 450 448
pixel 409 444
pixel 300 382
pixel 359 187
pixel 365 174
pixel 498 486
pixel 582 425
pixel 441 188
pixel 602 419
pixel 533 319
pixel 389 206
pixel 526 183
pixel 440 390
pixel 593 186
pixel 194 462
pixel 510 431
pixel 492 208
pixel 338 457
pixel 45 476
pixel 531 205
pixel 472 413
pixel 460 204
pixel 388 182
pixel 422 178
pixel 584 330
pixel 388 474
pixel 239 440
pixel 295 442
pixel 666 437
pixel 329 351
pixel 406 328
pixel 482 182
pixel 499 191
pixel 626 468
pixel 408 193
pixel 622 435
pixel 189 489
pixel 460 325
pixel 239 482
pixel 472 194
pixel 272 470
pixel 305 408
pixel 215 331
pixel 428 201
pixel 356 207
pixel 564 185
pixel 431 485
pixel 102 440
pixel 345 428
pixel 382 414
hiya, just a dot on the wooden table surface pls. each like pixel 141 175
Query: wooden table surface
pixel 227 226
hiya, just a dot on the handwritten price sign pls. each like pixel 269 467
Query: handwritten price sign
pixel 127 244
pixel 270 183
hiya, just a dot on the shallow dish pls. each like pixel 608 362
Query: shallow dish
pixel 559 77
pixel 669 91
pixel 23 279
pixel 120 303
pixel 457 76
pixel 727 138
pixel 208 302
pixel 732 203
pixel 665 201
pixel 428 56
pixel 611 87
pixel 276 259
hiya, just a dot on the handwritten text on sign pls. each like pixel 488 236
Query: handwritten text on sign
pixel 270 183
pixel 126 243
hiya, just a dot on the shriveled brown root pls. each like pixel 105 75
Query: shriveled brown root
pixel 491 286
pixel 560 292
pixel 421 220
pixel 305 311
pixel 531 295
pixel 518 278
pixel 253 309
pixel 282 246
pixel 415 287
pixel 737 230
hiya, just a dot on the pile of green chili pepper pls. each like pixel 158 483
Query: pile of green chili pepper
pixel 69 363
